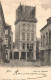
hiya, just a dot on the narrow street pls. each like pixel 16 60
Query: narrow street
pixel 23 63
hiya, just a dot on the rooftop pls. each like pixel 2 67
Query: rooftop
pixel 26 13
pixel 48 22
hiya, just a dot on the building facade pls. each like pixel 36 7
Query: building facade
pixel 8 41
pixel 6 37
pixel 11 44
pixel 25 32
pixel 38 48
pixel 11 35
pixel 46 42
pixel 2 33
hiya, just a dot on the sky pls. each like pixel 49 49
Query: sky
pixel 43 10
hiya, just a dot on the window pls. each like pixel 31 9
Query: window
pixel 23 36
pixel 23 46
pixel 6 32
pixel 23 27
pixel 32 36
pixel 10 46
pixel 44 40
pixel 28 27
pixel 28 36
pixel 47 38
pixel 41 41
pixel 32 27
pixel 31 46
pixel 0 18
pixel 10 38
pixel 27 46
pixel 6 42
pixel 50 37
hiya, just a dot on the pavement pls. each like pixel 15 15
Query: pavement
pixel 21 63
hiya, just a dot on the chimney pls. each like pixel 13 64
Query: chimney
pixel 49 20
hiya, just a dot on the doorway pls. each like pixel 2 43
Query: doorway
pixel 16 55
pixel 23 55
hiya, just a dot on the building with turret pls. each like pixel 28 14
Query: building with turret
pixel 25 32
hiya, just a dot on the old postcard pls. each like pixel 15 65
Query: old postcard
pixel 25 39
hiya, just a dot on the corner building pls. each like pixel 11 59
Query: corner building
pixel 25 32
pixel 46 42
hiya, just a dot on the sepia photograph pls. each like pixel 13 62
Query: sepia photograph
pixel 25 37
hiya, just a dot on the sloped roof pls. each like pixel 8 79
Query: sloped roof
pixel 44 27
pixel 26 13
pixel 48 22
